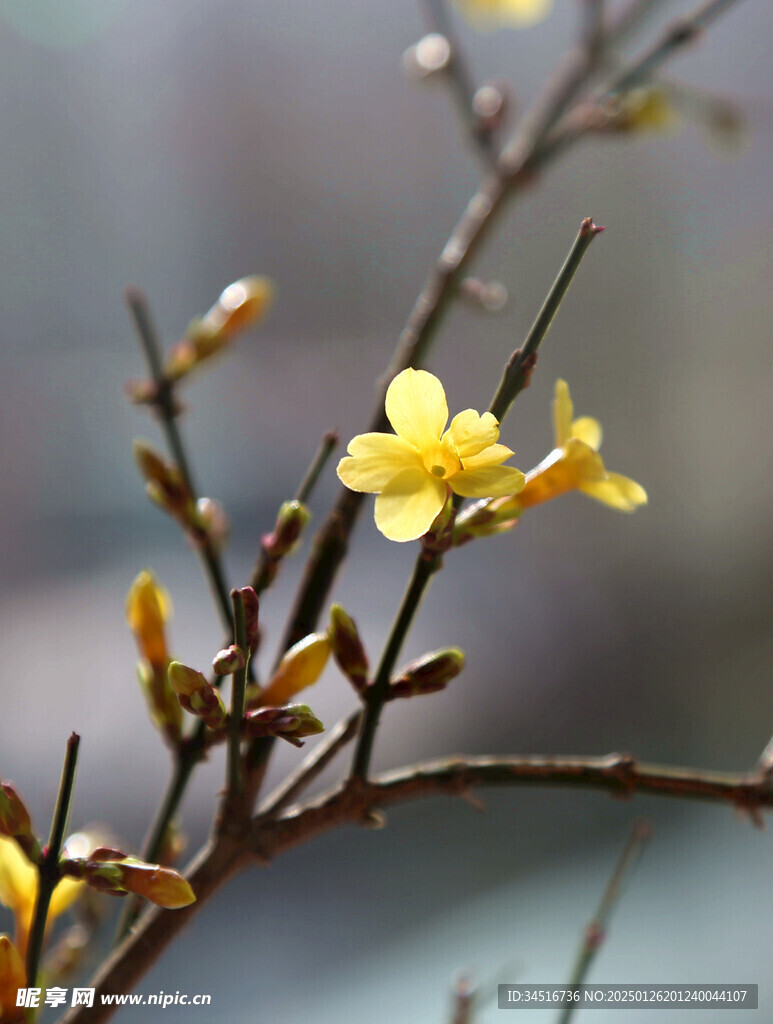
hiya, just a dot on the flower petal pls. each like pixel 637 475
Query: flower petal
pixel 494 455
pixel 470 433
pixel 416 407
pixel 588 430
pixel 408 504
pixel 487 482
pixel 375 460
pixel 617 491
pixel 562 413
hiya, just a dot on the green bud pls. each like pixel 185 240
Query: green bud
pixel 197 695
pixel 292 722
pixel 428 674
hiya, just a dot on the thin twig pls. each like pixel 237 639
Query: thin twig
pixel 518 369
pixel 326 448
pixel 461 82
pixel 595 931
pixel 236 714
pixel 312 765
pixel 48 869
pixel 427 563
pixel 164 402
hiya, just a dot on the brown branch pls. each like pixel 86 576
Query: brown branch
pixel 619 774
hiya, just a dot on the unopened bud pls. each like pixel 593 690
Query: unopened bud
pixel 348 649
pixel 292 722
pixel 163 703
pixel 490 296
pixel 243 304
pixel 147 610
pixel 15 821
pixel 163 483
pixel 228 661
pixel 197 695
pixel 490 106
pixel 430 55
pixel 214 520
pixel 301 666
pixel 290 523
pixel 111 871
pixel 428 674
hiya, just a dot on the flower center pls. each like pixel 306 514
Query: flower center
pixel 438 471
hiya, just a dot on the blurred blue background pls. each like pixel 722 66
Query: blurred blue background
pixel 183 145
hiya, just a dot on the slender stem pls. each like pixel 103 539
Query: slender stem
pixel 519 367
pixel 238 686
pixel 593 29
pixel 461 81
pixel 525 153
pixel 426 565
pixel 595 932
pixel 313 765
pixel 165 403
pixel 187 756
pixel 48 869
pixel 326 448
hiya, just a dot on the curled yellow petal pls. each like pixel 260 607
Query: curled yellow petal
pixel 616 491
pixel 470 433
pixel 301 666
pixel 587 430
pixel 562 413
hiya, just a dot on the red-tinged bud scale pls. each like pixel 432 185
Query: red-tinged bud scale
pixel 348 648
pixel 429 674
pixel 292 723
pixel 228 661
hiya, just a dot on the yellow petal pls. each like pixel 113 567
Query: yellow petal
pixel 515 12
pixel 63 896
pixel 416 407
pixel 494 455
pixel 588 430
pixel 301 666
pixel 375 459
pixel 488 482
pixel 616 491
pixel 470 433
pixel 147 609
pixel 562 413
pixel 409 503
pixel 582 461
pixel 18 878
pixel 12 977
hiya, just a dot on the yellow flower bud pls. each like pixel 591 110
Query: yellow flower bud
pixel 147 610
pixel 301 666
pixel 242 304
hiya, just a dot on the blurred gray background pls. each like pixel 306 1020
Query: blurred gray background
pixel 179 146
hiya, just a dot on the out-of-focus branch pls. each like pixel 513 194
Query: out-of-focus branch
pixel 618 774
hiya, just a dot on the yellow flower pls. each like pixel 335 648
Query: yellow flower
pixel 506 12
pixel 19 890
pixel 575 464
pixel 413 469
